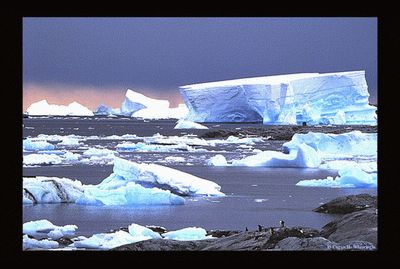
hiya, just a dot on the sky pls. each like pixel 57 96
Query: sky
pixel 95 60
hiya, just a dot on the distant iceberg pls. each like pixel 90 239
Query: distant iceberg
pixel 185 124
pixel 135 101
pixel 43 108
pixel 311 98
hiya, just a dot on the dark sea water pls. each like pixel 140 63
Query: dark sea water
pixel 254 195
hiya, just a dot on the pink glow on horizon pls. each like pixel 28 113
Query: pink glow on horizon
pixel 90 97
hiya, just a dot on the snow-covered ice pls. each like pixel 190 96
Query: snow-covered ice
pixel 30 145
pixel 45 229
pixel 330 98
pixel 69 142
pixel 51 190
pixel 44 108
pixel 162 112
pixel 304 156
pixel 185 234
pixel 369 167
pixel 97 152
pixel 186 124
pixel 349 177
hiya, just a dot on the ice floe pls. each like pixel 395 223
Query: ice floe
pixel 143 147
pixel 217 160
pixel 185 234
pixel 352 177
pixel 31 243
pixel 304 156
pixel 45 229
pixel 30 145
pixel 41 159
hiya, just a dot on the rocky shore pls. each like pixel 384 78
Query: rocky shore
pixel 354 229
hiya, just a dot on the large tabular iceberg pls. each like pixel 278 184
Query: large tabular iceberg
pixel 331 98
pixel 43 108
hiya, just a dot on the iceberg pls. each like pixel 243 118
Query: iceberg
pixel 98 152
pixel 51 190
pixel 303 157
pixel 352 143
pixel 217 160
pixel 31 243
pixel 185 124
pixel 135 101
pixel 313 98
pixel 369 167
pixel 177 181
pixel 349 177
pixel 43 108
pixel 69 142
pixel 103 110
pixel 44 228
pixel 115 190
pixel 30 145
pixel 156 113
pixel 186 234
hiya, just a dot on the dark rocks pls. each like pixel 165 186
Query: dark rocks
pixel 285 132
pixel 240 242
pixel 164 245
pixel 359 225
pixel 64 241
pixel 348 204
pixel 157 229
pixel 221 233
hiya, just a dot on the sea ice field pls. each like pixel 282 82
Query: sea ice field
pixel 234 182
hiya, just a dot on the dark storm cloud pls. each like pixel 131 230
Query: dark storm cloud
pixel 164 53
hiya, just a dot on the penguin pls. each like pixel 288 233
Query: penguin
pixel 259 227
pixel 271 230
pixel 247 229
pixel 282 223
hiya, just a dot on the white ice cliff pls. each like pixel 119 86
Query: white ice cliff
pixel 135 101
pixel 330 98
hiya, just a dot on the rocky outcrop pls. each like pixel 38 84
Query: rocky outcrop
pixel 165 245
pixel 359 225
pixel 348 204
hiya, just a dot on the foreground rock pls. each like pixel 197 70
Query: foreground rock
pixel 348 204
pixel 162 244
pixel 357 226
pixel 320 243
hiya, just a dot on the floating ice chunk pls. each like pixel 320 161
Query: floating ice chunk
pixel 175 140
pixel 31 243
pixel 69 141
pixel 105 240
pixel 98 152
pixel 162 113
pixel 36 145
pixel 71 157
pixel 368 167
pixel 217 160
pixel 43 108
pixel 117 191
pixel 305 156
pixel 185 234
pixel 175 159
pixel 51 190
pixel 236 140
pixel 139 231
pixel 353 143
pixel 143 147
pixel 44 228
pixel 186 124
pixel 347 178
pixel 179 182
pixel 36 159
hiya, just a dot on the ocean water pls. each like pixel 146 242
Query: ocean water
pixel 254 195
